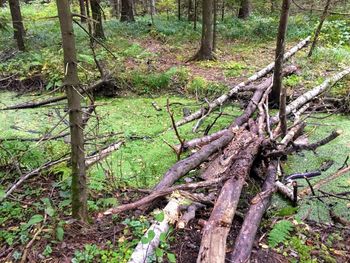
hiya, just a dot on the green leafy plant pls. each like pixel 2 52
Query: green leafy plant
pixel 280 233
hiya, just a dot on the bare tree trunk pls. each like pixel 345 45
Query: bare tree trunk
pixel 195 15
pixel 222 10
pixel 97 17
pixel 79 188
pixel 206 50
pixel 190 11
pixel 280 45
pixel 179 9
pixel 82 11
pixel 152 7
pixel 319 27
pixel 215 10
pixel 115 4
pixel 127 13
pixel 18 28
pixel 244 9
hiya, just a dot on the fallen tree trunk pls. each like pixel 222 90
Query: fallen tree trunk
pixel 326 180
pixel 223 98
pixel 213 244
pixel 160 193
pixel 32 105
pixel 171 214
pixel 260 203
pixel 102 154
pixel 306 97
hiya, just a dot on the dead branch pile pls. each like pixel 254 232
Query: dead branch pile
pixel 252 142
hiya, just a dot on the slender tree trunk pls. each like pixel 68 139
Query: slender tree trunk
pixel 18 28
pixel 206 50
pixel 190 10
pixel 215 10
pixel 79 188
pixel 319 27
pixel 179 9
pixel 82 11
pixel 115 4
pixel 97 17
pixel 280 45
pixel 152 7
pixel 223 10
pixel 127 13
pixel 244 10
pixel 195 15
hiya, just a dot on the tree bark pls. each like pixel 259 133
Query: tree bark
pixel 252 219
pixel 223 98
pixel 206 49
pixel 115 4
pixel 127 12
pixel 319 27
pixel 244 9
pixel 179 10
pixel 190 13
pixel 18 28
pixel 79 187
pixel 280 45
pixel 82 10
pixel 213 244
pixel 152 7
pixel 97 17
pixel 215 11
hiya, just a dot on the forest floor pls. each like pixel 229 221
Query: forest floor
pixel 150 66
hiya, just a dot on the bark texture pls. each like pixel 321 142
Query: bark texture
pixel 79 187
pixel 206 49
pixel 127 12
pixel 280 45
pixel 213 244
pixel 244 9
pixel 97 17
pixel 18 28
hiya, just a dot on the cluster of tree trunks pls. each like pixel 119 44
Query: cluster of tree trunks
pixel 249 143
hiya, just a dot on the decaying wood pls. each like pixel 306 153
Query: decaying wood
pixel 36 104
pixel 188 215
pixel 285 191
pixel 213 244
pixel 223 98
pixel 326 180
pixel 260 203
pixel 171 215
pixel 306 97
pixel 160 193
pixel 102 154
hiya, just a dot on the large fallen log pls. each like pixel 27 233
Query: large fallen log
pixel 184 166
pixel 259 204
pixel 213 244
pixel 223 98
pixel 36 104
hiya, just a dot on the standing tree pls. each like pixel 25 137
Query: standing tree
pixel 115 8
pixel 97 17
pixel 152 7
pixel 278 94
pixel 127 12
pixel 71 81
pixel 82 11
pixel 244 9
pixel 18 28
pixel 215 10
pixel 190 10
pixel 319 27
pixel 179 9
pixel 206 50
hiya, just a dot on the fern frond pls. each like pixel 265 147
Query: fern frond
pixel 280 233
